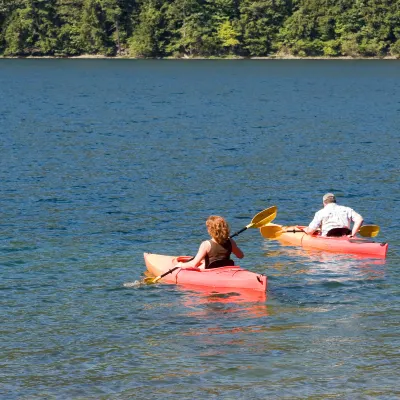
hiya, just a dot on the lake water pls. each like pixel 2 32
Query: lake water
pixel 102 160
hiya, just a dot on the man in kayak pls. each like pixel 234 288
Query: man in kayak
pixel 216 252
pixel 335 220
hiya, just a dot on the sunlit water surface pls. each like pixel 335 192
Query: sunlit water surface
pixel 104 160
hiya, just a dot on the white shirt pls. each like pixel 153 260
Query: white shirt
pixel 333 216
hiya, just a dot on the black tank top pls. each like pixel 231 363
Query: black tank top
pixel 219 255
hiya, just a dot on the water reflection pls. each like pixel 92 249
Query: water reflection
pixel 203 302
pixel 203 295
pixel 340 263
pixel 314 262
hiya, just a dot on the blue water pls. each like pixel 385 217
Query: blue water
pixel 102 160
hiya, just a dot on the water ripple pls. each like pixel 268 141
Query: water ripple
pixel 103 160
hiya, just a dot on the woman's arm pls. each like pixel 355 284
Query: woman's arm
pixel 201 254
pixel 235 250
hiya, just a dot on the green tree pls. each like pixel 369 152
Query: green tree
pixel 121 23
pixel 146 40
pixel 395 49
pixel 93 34
pixel 112 16
pixel 223 28
pixel 187 28
pixel 367 27
pixel 31 28
pixel 69 34
pixel 301 32
pixel 228 36
pixel 260 21
pixel 153 28
pixel 18 33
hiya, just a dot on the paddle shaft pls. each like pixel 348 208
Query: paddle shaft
pixel 365 231
pixel 238 232
pixel 292 230
pixel 170 271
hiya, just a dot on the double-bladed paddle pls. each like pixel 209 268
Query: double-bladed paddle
pixel 274 231
pixel 262 218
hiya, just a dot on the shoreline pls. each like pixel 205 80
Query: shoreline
pixel 283 57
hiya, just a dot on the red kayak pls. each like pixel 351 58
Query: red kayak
pixel 223 277
pixel 293 235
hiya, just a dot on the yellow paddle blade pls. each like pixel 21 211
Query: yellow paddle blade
pixel 149 280
pixel 369 230
pixel 271 231
pixel 149 277
pixel 264 217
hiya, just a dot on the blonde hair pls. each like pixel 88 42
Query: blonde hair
pixel 218 228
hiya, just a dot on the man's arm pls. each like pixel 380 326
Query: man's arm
pixel 314 225
pixel 358 221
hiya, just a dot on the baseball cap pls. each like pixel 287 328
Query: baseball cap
pixel 329 196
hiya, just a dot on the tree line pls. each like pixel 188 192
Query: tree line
pixel 200 28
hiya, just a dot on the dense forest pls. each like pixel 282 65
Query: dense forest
pixel 200 28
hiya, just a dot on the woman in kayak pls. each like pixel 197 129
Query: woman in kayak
pixel 335 220
pixel 216 252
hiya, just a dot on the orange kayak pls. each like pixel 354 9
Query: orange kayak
pixel 360 246
pixel 223 277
